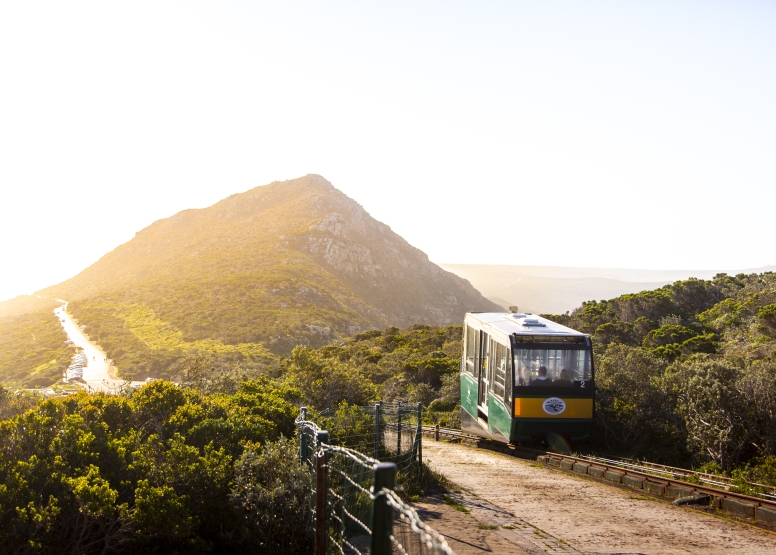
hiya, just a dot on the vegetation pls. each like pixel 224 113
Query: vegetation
pixel 143 345
pixel 238 317
pixel 686 374
pixel 24 304
pixel 166 470
pixel 417 365
pixel 33 352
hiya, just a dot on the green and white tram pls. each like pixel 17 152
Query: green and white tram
pixel 524 377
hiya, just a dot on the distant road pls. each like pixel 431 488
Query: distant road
pixel 97 371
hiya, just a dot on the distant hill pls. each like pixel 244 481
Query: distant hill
pixel 24 304
pixel 557 289
pixel 257 273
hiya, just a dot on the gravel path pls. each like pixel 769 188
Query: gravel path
pixel 586 516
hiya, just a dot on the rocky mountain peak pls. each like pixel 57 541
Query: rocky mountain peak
pixel 269 263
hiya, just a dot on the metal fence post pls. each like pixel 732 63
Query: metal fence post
pixel 382 512
pixel 302 446
pixel 419 434
pixel 303 438
pixel 320 503
pixel 377 430
pixel 398 434
pixel 322 437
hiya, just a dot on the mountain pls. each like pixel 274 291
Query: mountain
pixel 255 274
pixel 24 304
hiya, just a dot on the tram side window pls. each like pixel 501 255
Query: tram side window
pixel 561 367
pixel 470 346
pixel 500 356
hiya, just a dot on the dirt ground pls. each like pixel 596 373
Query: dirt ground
pixel 464 533
pixel 538 510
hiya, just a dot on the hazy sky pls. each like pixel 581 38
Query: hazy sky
pixel 617 134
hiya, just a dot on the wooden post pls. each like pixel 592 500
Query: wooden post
pixel 382 512
pixel 436 432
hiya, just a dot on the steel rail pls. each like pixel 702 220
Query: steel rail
pixel 679 473
pixel 617 469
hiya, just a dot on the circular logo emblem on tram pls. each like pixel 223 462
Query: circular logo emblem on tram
pixel 554 406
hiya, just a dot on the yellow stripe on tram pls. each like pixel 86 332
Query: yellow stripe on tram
pixel 553 407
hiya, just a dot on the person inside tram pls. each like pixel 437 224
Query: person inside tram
pixel 564 380
pixel 524 376
pixel 542 377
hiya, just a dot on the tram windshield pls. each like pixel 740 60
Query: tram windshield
pixel 556 367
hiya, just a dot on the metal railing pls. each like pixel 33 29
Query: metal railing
pixel 355 461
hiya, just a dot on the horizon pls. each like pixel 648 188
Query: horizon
pixel 596 271
pixel 641 133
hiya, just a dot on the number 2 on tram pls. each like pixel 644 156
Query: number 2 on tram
pixel 524 377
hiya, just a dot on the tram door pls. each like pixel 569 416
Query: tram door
pixel 482 365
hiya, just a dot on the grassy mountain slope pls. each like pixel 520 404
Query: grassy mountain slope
pixel 32 349
pixel 293 262
pixel 24 304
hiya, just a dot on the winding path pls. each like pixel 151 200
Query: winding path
pixel 97 373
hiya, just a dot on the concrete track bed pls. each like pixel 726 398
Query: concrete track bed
pixel 586 516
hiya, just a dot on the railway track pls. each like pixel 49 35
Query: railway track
pixel 686 486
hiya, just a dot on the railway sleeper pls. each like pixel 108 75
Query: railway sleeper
pixel 634 482
pixel 679 492
pixel 766 514
pixel 581 468
pixel 739 507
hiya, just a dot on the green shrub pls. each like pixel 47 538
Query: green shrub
pixel 272 493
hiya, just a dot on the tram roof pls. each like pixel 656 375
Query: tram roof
pixel 522 324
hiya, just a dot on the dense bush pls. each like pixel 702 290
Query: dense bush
pixel 273 498
pixel 165 470
pixel 686 374
pixel 419 364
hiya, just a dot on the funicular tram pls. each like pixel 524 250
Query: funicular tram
pixel 524 377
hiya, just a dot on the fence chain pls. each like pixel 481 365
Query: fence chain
pixel 392 433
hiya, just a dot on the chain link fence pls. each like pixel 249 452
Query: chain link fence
pixel 355 454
